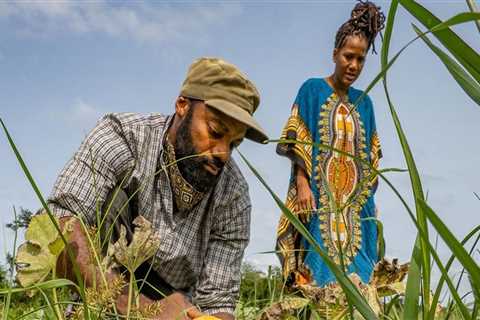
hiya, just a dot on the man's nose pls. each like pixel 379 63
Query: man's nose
pixel 222 151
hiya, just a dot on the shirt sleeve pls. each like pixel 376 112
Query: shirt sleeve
pixel 94 170
pixel 218 286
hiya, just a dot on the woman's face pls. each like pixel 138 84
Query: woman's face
pixel 349 60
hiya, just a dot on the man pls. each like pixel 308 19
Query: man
pixel 199 205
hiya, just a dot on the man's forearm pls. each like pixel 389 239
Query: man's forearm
pixel 79 248
pixel 92 275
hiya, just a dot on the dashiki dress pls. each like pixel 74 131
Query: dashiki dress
pixel 319 116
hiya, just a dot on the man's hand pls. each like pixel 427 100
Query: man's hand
pixel 177 306
pixel 174 306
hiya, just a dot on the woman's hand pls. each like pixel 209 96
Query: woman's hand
pixel 305 198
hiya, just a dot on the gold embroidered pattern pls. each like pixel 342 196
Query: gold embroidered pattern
pixel 375 154
pixel 343 182
pixel 186 196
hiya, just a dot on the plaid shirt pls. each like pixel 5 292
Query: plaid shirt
pixel 200 250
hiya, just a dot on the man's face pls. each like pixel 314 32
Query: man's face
pixel 212 136
pixel 349 60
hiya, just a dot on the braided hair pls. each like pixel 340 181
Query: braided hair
pixel 366 19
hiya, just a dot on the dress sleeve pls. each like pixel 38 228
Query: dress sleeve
pixel 84 183
pixel 218 286
pixel 300 153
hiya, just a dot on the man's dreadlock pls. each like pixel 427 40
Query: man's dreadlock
pixel 366 19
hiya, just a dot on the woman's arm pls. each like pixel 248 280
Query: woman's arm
pixel 305 198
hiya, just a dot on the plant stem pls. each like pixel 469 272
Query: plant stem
pixel 56 306
pixel 130 291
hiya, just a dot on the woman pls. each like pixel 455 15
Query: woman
pixel 332 193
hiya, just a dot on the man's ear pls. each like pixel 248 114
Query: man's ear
pixel 181 106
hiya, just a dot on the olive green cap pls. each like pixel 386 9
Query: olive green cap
pixel 222 86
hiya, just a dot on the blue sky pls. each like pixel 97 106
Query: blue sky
pixel 63 64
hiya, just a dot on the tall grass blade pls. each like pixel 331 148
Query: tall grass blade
pixel 473 8
pixel 381 238
pixel 414 280
pixel 455 20
pixel 466 82
pixel 423 236
pixel 420 249
pixel 450 261
pixel 354 297
pixel 414 273
pixel 47 209
pixel 468 58
pixel 46 285
pixel 457 248
pixel 475 290
pixel 387 35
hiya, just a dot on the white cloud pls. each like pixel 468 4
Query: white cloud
pixel 80 114
pixel 84 112
pixel 139 20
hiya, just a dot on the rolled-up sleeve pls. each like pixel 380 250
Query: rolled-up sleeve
pixel 83 184
pixel 218 286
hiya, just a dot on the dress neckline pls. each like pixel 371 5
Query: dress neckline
pixel 332 90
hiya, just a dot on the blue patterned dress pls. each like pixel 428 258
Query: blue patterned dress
pixel 343 186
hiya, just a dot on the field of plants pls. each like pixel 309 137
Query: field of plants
pixel 37 293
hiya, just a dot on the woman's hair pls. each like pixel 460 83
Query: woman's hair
pixel 366 19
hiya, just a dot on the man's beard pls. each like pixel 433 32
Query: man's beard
pixel 193 169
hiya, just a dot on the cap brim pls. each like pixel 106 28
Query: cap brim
pixel 254 131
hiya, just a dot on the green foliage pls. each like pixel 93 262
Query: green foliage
pixel 21 221
pixel 3 277
pixel 258 287
pixel 37 257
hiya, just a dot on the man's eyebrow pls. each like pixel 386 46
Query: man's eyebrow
pixel 215 117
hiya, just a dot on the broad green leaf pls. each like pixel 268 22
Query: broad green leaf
pixel 38 256
pixel 466 82
pixel 41 230
pixel 469 59
pixel 354 297
pixel 33 263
